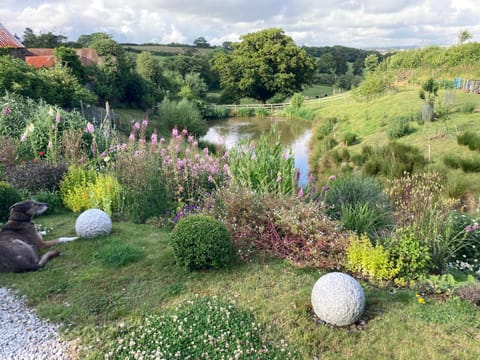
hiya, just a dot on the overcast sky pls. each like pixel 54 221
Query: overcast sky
pixel 355 23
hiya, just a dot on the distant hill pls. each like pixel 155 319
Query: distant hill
pixel 167 50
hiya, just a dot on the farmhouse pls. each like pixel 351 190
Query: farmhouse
pixel 40 57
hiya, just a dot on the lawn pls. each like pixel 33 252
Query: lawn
pixel 97 285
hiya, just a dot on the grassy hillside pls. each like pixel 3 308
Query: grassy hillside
pixel 369 123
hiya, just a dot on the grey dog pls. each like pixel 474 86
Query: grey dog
pixel 20 241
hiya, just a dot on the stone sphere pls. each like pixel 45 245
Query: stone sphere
pixel 338 299
pixel 92 223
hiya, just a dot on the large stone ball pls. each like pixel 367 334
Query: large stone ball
pixel 338 299
pixel 92 223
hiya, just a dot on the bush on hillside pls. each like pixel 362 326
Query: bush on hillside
pixel 399 127
pixel 182 115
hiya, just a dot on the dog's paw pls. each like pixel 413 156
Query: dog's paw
pixel 67 239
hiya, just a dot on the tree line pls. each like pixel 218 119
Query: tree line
pixel 265 65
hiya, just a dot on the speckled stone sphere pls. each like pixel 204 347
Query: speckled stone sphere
pixel 338 299
pixel 92 223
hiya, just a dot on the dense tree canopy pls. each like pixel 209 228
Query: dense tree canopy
pixel 48 40
pixel 263 64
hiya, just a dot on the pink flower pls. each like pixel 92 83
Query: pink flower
pixel 154 138
pixel 475 226
pixel 145 123
pixel 190 139
pixel 90 128
pixel 132 136
pixel 331 178
pixel 6 110
pixel 468 228
pixel 162 140
pixel 136 126
pixel 300 192
pixel 279 179
pixel 184 132
pixel 205 151
pixel 174 132
pixel 210 178
pixel 58 118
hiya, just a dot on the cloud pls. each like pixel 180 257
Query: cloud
pixel 358 23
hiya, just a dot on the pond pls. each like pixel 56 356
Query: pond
pixel 294 135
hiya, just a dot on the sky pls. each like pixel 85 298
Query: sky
pixel 353 23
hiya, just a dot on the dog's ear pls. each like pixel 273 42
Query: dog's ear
pixel 21 206
pixel 16 206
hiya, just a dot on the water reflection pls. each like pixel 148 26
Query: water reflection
pixel 294 135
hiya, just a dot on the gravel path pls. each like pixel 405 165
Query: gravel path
pixel 23 336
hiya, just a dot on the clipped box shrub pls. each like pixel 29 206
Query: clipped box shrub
pixel 8 196
pixel 201 242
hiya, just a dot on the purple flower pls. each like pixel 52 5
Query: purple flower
pixel 297 175
pixel 468 228
pixel 90 128
pixel 331 178
pixel 58 118
pixel 326 188
pixel 475 226
pixel 6 110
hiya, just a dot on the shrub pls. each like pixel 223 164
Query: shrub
pixel 83 189
pixel 119 254
pixel 282 226
pixel 182 115
pixel 245 112
pixel 201 328
pixel 466 241
pixel 37 176
pixel 466 164
pixel 467 108
pixel 410 253
pixel 469 139
pixel 200 242
pixel 299 113
pixel 8 196
pixel 350 138
pixel 325 128
pixel 357 201
pixel 393 160
pixel 373 262
pixel 399 127
pixel 264 166
pixel 261 112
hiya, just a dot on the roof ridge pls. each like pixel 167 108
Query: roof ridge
pixel 7 39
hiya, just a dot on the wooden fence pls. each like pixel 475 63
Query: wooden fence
pixel 281 106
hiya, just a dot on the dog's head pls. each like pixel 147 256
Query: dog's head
pixel 28 208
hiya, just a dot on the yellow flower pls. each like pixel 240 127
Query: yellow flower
pixel 420 300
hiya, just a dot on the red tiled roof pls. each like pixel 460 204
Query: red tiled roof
pixel 40 61
pixel 7 40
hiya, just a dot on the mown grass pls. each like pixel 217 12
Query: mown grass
pixel 91 297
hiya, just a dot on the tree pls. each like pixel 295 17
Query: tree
pixel 464 36
pixel 48 40
pixel 67 57
pixel 371 63
pixel 326 64
pixel 87 40
pixel 263 64
pixel 201 42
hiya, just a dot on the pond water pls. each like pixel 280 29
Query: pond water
pixel 294 135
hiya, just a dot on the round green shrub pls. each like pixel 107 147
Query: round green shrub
pixel 8 196
pixel 201 242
